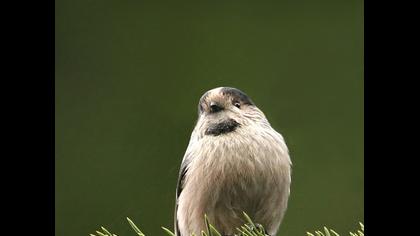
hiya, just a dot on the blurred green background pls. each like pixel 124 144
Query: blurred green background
pixel 128 78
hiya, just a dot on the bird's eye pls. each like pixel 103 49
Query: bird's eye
pixel 214 107
pixel 237 104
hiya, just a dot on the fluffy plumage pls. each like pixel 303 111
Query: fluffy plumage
pixel 235 162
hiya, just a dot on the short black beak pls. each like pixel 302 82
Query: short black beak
pixel 215 107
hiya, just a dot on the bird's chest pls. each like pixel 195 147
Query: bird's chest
pixel 235 171
pixel 230 174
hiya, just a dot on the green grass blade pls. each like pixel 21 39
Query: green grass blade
pixel 168 231
pixel 100 233
pixel 106 231
pixel 239 230
pixel 248 231
pixel 206 220
pixel 136 229
pixel 214 230
pixel 249 219
pixel 336 234
pixel 327 232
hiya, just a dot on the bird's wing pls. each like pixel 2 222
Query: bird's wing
pixel 179 187
pixel 188 157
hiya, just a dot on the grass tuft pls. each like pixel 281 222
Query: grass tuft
pixel 248 229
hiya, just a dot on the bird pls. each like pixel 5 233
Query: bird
pixel 235 162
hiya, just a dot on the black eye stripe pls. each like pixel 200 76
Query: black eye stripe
pixel 214 107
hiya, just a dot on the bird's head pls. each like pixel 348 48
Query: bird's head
pixel 223 110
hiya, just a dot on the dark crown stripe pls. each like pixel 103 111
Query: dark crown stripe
pixel 238 95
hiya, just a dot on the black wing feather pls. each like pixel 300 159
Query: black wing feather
pixel 179 187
